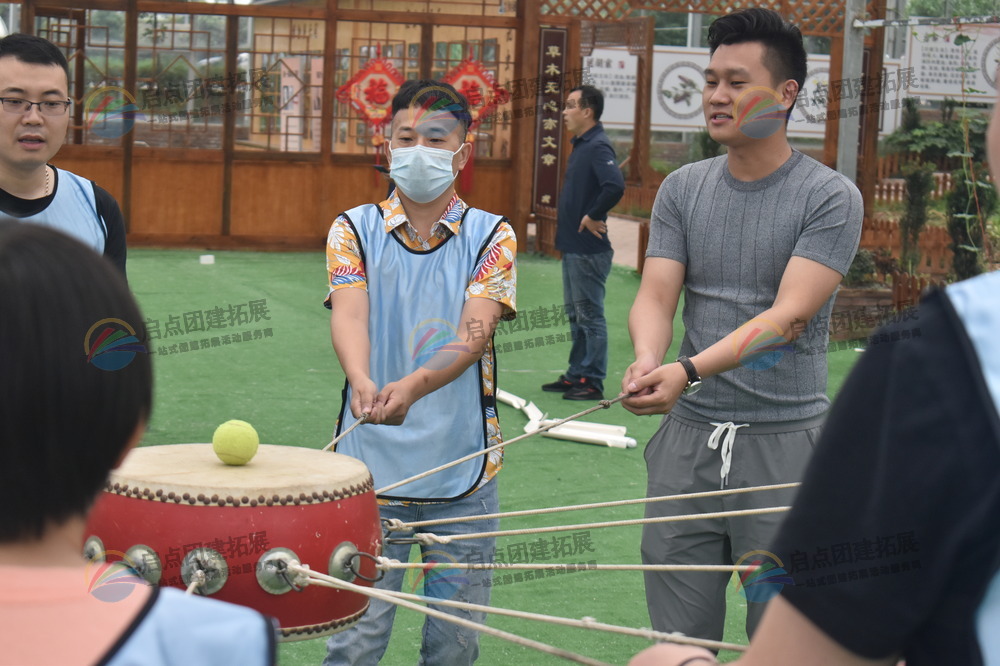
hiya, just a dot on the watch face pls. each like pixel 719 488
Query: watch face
pixel 693 387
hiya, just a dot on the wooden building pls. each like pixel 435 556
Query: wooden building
pixel 219 125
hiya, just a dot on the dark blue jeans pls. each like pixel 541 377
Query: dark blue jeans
pixel 442 643
pixel 584 276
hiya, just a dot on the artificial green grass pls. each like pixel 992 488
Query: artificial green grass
pixel 287 382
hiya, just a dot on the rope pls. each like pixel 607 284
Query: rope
pixel 196 580
pixel 328 581
pixel 604 404
pixel 585 623
pixel 363 419
pixel 389 563
pixel 396 525
pixel 427 539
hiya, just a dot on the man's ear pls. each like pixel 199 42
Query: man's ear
pixel 463 157
pixel 789 91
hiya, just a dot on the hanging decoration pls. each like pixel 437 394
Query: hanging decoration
pixel 480 89
pixel 370 92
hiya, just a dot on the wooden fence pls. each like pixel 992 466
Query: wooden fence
pixel 890 185
pixel 637 201
pixel 891 166
pixel 907 289
pixel 857 313
pixel 894 189
pixel 883 233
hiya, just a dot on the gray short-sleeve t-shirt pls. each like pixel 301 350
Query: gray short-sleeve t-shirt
pixel 735 239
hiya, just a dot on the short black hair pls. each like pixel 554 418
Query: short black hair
pixel 64 422
pixel 784 53
pixel 433 96
pixel 33 50
pixel 591 98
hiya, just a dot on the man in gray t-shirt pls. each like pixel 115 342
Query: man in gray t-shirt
pixel 759 239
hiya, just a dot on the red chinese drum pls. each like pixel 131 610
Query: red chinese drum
pixel 173 511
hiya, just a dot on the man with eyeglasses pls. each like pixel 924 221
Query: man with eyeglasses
pixel 34 80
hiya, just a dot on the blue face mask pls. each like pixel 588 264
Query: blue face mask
pixel 422 173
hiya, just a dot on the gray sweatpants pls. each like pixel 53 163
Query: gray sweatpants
pixel 679 460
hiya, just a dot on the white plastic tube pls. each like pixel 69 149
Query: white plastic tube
pixel 585 436
pixel 510 399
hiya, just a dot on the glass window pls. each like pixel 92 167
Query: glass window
pixel 280 106
pixel 464 7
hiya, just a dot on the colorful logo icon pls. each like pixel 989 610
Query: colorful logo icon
pixel 111 344
pixel 439 112
pixel 759 344
pixel 111 112
pixel 436 579
pixel 759 112
pixel 434 344
pixel 765 582
pixel 112 581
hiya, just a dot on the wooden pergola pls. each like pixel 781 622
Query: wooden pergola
pixel 272 162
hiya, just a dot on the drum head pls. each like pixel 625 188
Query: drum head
pixel 277 474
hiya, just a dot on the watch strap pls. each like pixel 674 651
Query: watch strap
pixel 689 368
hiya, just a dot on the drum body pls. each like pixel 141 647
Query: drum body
pixel 182 504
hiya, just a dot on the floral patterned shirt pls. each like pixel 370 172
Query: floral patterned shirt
pixel 495 278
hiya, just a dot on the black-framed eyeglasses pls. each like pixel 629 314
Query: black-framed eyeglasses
pixel 23 106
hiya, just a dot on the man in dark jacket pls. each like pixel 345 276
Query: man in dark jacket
pixel 593 184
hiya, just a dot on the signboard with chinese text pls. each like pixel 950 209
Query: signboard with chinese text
pixel 947 60
pixel 678 80
pixel 548 120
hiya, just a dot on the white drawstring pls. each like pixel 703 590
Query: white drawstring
pixel 730 429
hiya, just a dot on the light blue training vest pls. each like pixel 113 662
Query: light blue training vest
pixel 182 629
pixel 73 211
pixel 415 304
pixel 978 305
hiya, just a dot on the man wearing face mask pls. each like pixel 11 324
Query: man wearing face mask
pixel 417 285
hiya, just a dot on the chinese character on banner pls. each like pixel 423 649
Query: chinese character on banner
pixel 370 92
pixel 548 102
pixel 478 86
pixel 483 93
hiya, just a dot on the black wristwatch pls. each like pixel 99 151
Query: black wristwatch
pixel 694 379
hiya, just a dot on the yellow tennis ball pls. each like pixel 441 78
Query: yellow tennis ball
pixel 235 442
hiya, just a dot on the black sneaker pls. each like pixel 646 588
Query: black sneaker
pixel 561 385
pixel 583 390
